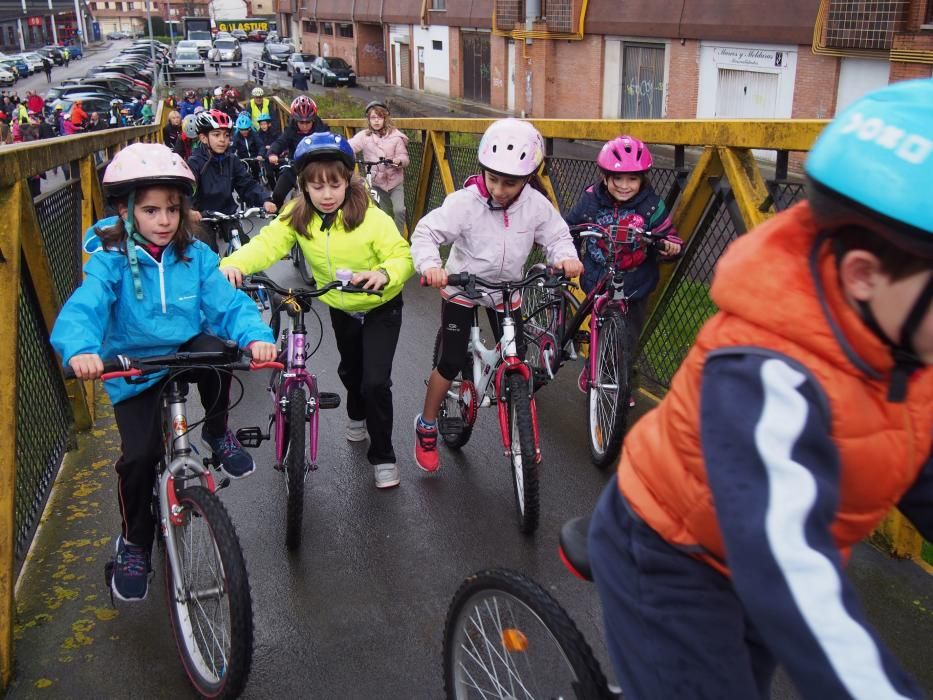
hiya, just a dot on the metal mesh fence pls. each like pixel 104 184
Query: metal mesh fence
pixel 685 304
pixel 569 176
pixel 785 194
pixel 59 215
pixel 463 163
pixel 43 416
pixel 415 154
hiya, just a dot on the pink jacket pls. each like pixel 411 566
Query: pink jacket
pixel 487 243
pixel 394 146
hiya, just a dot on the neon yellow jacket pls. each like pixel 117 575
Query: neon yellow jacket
pixel 373 244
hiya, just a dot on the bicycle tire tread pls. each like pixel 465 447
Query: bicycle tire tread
pixel 520 402
pixel 617 431
pixel 593 683
pixel 295 467
pixel 238 591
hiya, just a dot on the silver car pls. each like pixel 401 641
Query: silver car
pixel 229 51
pixel 188 61
pixel 299 63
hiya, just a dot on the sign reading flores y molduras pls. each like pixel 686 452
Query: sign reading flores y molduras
pixel 749 57
pixel 247 25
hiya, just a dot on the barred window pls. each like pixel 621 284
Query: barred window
pixel 642 80
pixel 345 29
pixel 327 28
pixel 309 26
pixel 856 24
pixel 438 4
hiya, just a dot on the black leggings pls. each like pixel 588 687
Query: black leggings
pixel 456 321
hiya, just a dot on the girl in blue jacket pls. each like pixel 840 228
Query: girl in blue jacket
pixel 151 289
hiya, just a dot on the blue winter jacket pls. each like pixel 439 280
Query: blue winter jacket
pixel 185 107
pixel 180 300
pixel 597 206
pixel 218 177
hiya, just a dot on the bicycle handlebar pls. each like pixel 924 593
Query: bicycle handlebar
pixel 548 276
pixel 231 358
pixel 259 282
pixel 591 230
pixel 372 163
pixel 252 212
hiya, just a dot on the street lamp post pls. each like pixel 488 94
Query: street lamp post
pixel 155 88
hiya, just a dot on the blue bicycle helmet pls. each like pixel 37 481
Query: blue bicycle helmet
pixel 873 165
pixel 324 146
pixel 243 121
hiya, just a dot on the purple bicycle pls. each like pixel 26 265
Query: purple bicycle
pixel 296 399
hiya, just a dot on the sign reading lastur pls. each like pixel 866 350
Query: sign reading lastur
pixel 247 25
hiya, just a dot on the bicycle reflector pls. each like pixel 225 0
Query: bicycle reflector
pixel 514 640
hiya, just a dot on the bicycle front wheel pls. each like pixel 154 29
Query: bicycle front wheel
pixel 295 466
pixel 212 616
pixel 506 637
pixel 522 453
pixel 607 399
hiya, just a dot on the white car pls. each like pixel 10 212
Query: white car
pixel 34 61
pixel 6 77
pixel 299 63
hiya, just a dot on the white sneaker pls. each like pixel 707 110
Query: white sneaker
pixel 386 475
pixel 356 431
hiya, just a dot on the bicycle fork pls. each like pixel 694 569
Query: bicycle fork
pixel 511 364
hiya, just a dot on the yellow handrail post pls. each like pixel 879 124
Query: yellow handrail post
pixel 11 207
pixel 743 173
pixel 447 178
pixel 424 175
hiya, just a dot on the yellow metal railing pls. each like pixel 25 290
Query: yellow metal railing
pixel 725 156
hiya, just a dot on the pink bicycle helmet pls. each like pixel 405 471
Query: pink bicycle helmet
pixel 511 147
pixel 143 165
pixel 303 107
pixel 624 154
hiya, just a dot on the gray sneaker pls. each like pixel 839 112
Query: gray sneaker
pixel 386 475
pixel 356 431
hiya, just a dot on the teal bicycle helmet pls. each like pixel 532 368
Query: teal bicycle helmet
pixel 264 117
pixel 243 121
pixel 873 165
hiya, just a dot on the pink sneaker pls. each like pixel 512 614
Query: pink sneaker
pixel 426 447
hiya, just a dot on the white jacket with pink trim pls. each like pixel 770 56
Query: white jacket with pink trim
pixel 487 243
pixel 393 146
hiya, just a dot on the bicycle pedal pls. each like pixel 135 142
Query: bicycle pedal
pixel 327 399
pixel 540 377
pixel 452 427
pixel 250 437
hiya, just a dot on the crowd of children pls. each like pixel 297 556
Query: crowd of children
pixel 767 477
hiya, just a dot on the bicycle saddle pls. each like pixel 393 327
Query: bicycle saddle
pixel 573 551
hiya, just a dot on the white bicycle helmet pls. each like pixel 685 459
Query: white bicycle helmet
pixel 257 92
pixel 189 126
pixel 511 147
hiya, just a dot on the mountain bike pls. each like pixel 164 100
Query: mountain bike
pixel 379 196
pixel 506 637
pixel 296 399
pixel 554 326
pixel 232 229
pixel 497 376
pixel 205 572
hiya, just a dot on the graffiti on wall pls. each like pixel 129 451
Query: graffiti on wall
pixel 374 51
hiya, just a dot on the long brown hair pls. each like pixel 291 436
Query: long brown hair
pixel 115 235
pixel 354 204
pixel 387 124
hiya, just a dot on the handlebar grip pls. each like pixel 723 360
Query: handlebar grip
pixel 458 279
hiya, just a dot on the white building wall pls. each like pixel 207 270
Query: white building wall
pixel 773 59
pixel 859 76
pixel 436 61
pixel 399 36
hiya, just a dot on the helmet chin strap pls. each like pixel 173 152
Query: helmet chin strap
pixel 132 238
pixel 906 359
pixel 491 203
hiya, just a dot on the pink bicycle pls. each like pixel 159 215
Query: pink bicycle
pixel 296 399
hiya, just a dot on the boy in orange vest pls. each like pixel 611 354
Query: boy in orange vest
pixel 801 416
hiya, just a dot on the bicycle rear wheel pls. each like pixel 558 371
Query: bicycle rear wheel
pixel 295 466
pixel 522 457
pixel 457 415
pixel 607 399
pixel 213 617
pixel 546 318
pixel 506 637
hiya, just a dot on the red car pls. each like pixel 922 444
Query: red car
pixel 257 35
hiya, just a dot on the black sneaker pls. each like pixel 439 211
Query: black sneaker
pixel 234 460
pixel 131 570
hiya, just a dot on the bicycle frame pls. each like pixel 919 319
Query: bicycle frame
pixel 295 372
pixel 490 366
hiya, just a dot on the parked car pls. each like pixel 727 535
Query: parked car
pixel 91 102
pixel 116 36
pixel 8 64
pixel 277 54
pixel 188 61
pixel 74 51
pixel 124 91
pixel 223 35
pixel 6 77
pixel 330 70
pixel 34 61
pixel 272 37
pixel 53 53
pixel 240 35
pixel 21 65
pixel 229 51
pixel 300 63
pixel 256 35
pixel 71 92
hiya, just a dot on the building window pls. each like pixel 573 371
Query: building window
pixel 345 30
pixel 929 15
pixel 853 24
pixel 438 4
pixel 310 26
pixel 437 45
pixel 642 80
pixel 327 28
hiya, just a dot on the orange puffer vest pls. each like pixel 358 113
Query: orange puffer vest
pixel 769 298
